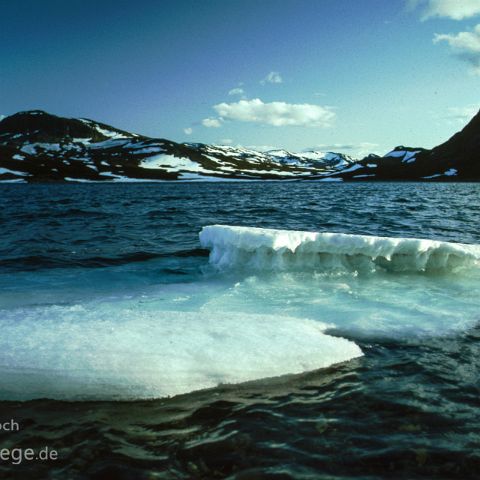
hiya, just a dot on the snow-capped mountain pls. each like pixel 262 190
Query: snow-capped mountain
pixel 312 158
pixel 39 147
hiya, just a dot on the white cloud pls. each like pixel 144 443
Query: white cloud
pixel 454 9
pixel 278 114
pixel 272 77
pixel 467 41
pixel 226 141
pixel 188 131
pixel 236 91
pixel 462 114
pixel 466 46
pixel 211 122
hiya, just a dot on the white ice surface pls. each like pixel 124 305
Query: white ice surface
pixel 268 249
pixel 115 351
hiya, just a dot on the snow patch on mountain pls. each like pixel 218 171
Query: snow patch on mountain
pixel 13 172
pixel 113 134
pixel 407 156
pixel 448 173
pixel 170 163
pixel 29 149
pixel 352 168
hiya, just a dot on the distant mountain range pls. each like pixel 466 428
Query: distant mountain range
pixel 36 146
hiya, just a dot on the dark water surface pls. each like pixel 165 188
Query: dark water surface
pixel 409 408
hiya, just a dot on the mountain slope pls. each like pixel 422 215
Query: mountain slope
pixel 458 159
pixel 39 147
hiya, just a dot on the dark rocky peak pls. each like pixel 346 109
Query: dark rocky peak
pixel 472 128
pixel 42 126
pixel 403 148
pixel 467 140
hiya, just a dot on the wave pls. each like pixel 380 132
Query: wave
pixel 234 247
pixel 109 351
pixel 34 262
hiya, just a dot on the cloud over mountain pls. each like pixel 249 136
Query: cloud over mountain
pixel 211 122
pixel 278 114
pixel 465 45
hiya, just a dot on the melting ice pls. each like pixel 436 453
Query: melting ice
pixel 271 303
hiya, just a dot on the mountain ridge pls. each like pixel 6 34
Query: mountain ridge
pixel 36 146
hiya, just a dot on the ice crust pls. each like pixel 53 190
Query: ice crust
pixel 268 249
pixel 108 351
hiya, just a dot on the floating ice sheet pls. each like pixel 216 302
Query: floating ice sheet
pixel 268 249
pixel 110 351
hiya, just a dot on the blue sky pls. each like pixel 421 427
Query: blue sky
pixel 344 75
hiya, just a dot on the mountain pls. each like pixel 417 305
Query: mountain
pixel 458 159
pixel 36 146
pixel 311 158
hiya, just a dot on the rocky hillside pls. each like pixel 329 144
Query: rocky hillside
pixel 458 159
pixel 38 147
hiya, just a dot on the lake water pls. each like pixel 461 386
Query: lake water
pixel 115 330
